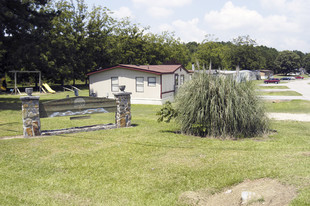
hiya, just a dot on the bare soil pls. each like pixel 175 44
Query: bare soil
pixel 267 192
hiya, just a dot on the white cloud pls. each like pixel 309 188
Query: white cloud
pixel 123 12
pixel 159 12
pixel 186 30
pixel 296 6
pixel 162 3
pixel 232 17
pixel 283 30
pixel 277 23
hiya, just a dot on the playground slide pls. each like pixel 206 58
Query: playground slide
pixel 48 88
pixel 2 84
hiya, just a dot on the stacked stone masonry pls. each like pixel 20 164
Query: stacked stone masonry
pixel 31 116
pixel 32 124
pixel 123 109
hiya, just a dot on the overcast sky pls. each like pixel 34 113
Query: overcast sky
pixel 281 24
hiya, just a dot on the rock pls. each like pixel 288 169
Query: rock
pixel 247 196
pixel 228 191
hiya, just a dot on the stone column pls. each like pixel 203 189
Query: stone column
pixel 31 115
pixel 123 109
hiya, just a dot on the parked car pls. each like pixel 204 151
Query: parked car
pixel 293 78
pixel 286 78
pixel 272 80
pixel 299 77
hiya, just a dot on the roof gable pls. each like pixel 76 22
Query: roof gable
pixel 155 69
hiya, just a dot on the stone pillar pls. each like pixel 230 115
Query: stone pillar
pixel 123 109
pixel 31 115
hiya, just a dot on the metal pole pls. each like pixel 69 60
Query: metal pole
pixel 40 83
pixel 15 86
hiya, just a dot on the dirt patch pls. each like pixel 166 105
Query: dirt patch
pixel 255 193
pixel 12 137
pixel 306 154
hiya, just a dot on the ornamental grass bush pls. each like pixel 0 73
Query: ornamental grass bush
pixel 219 106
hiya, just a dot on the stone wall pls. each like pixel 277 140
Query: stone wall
pixel 31 116
pixel 32 124
pixel 123 109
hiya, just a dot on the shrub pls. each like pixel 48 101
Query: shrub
pixel 219 106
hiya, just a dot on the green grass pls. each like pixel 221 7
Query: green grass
pixel 258 82
pixel 11 116
pixel 281 93
pixel 148 164
pixel 273 87
pixel 294 106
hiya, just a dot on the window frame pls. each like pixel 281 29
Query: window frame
pixel 181 79
pixel 114 85
pixel 151 84
pixel 176 79
pixel 140 84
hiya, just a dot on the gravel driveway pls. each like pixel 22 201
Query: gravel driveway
pixel 300 86
pixel 289 116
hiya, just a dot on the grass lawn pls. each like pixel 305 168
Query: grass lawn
pixel 148 164
pixel 294 106
pixel 281 93
pixel 273 87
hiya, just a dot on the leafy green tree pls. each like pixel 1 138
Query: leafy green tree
pixel 22 27
pixel 287 61
pixel 128 44
pixel 66 50
pixel 299 53
pixel 269 55
pixel 100 39
pixel 306 62
pixel 210 51
pixel 60 52
pixel 192 47
pixel 178 53
pixel 245 55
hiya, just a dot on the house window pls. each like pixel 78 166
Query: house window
pixel 176 79
pixel 139 84
pixel 114 84
pixel 151 81
pixel 181 79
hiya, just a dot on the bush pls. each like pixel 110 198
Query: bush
pixel 219 106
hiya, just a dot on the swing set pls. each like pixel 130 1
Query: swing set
pixel 16 90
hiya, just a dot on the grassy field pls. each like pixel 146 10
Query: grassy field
pixel 280 93
pixel 273 87
pixel 294 106
pixel 149 164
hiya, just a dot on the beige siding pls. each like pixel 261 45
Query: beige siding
pixel 100 83
pixel 168 81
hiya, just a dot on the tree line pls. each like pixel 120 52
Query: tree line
pixel 65 40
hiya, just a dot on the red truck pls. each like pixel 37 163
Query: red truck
pixel 272 80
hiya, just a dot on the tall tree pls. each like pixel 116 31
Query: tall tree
pixel 22 25
pixel 99 39
pixel 245 54
pixel 306 62
pixel 67 49
pixel 287 61
pixel 269 55
pixel 210 51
